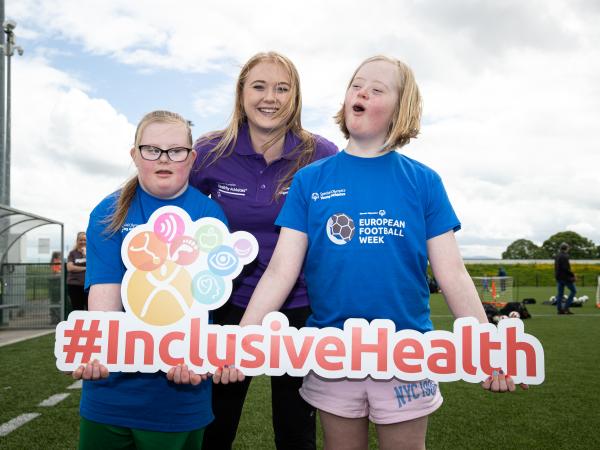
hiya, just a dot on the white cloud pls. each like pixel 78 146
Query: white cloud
pixel 510 90
pixel 68 150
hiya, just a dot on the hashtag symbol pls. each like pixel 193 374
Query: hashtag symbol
pixel 77 334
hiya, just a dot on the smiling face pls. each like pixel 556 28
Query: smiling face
pixel 266 92
pixel 81 240
pixel 163 178
pixel 370 103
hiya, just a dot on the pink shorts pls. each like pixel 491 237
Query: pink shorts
pixel 383 401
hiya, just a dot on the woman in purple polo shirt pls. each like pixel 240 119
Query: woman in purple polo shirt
pixel 247 168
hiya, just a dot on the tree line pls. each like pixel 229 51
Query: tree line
pixel 580 247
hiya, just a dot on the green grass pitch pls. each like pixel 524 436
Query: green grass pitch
pixel 562 413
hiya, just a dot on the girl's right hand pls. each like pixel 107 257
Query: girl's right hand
pixel 91 371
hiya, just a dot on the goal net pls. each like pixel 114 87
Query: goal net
pixel 495 290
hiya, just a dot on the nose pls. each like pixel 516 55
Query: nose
pixel 165 156
pixel 270 95
pixel 363 93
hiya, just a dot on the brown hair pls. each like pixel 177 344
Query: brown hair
pixel 406 121
pixel 227 138
pixel 117 218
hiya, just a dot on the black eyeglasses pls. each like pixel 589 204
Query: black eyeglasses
pixel 175 154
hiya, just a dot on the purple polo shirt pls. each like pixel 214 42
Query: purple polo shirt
pixel 244 186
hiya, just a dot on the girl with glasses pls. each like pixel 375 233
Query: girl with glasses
pixel 142 410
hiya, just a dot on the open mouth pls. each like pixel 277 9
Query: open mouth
pixel 163 172
pixel 358 108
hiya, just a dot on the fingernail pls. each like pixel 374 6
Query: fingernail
pixel 495 373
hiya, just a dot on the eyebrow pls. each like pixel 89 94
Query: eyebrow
pixel 375 81
pixel 277 83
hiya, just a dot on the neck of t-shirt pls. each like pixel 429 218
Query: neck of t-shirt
pixel 177 194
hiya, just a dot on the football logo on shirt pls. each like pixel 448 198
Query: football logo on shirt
pixel 340 228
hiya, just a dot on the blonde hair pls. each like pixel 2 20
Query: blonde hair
pixel 80 233
pixel 406 120
pixel 117 218
pixel 290 114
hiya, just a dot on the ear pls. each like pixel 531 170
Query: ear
pixel 193 156
pixel 132 154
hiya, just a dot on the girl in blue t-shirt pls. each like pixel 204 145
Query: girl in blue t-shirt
pixel 142 410
pixel 364 224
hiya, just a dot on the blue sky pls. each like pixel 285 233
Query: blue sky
pixel 511 98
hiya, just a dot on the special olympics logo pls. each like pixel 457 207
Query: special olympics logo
pixel 315 196
pixel 340 228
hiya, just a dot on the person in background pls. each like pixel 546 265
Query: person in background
pixel 247 169
pixel 502 273
pixel 76 274
pixel 564 278
pixel 56 262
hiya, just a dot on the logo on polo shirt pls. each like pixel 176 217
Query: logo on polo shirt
pixel 340 228
pixel 231 189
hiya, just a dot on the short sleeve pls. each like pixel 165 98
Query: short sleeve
pixel 294 213
pixel 214 210
pixel 439 214
pixel 104 264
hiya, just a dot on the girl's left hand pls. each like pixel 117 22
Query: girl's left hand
pixel 182 375
pixel 499 382
pixel 228 374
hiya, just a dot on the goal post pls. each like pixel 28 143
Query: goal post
pixel 495 290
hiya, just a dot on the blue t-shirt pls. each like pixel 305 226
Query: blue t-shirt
pixel 368 221
pixel 141 400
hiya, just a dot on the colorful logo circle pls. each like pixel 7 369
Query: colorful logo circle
pixel 208 237
pixel 184 250
pixel 222 261
pixel 168 226
pixel 208 288
pixel 242 247
pixel 146 251
pixel 160 297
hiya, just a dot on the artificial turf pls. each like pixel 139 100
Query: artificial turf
pixel 562 413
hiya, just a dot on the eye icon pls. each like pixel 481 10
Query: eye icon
pixel 222 261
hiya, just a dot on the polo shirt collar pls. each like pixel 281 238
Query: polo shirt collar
pixel 244 144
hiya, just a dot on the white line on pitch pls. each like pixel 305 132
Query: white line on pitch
pixel 15 423
pixel 54 399
pixel 77 385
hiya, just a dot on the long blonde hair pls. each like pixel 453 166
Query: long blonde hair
pixel 117 218
pixel 406 120
pixel 290 113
